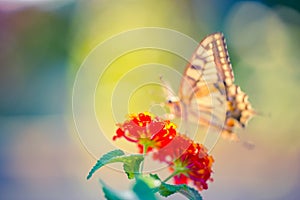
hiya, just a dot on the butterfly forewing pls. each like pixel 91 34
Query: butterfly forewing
pixel 202 87
pixel 208 91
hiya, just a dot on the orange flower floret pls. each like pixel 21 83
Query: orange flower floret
pixel 148 132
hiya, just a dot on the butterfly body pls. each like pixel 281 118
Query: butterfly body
pixel 207 92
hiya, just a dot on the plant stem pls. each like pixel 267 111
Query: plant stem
pixel 144 155
pixel 171 176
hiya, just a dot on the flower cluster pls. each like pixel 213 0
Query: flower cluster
pixel 189 161
pixel 148 132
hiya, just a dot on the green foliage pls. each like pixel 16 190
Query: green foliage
pixel 142 190
pixel 145 186
pixel 167 189
pixel 110 194
pixel 105 159
pixel 190 193
pixel 131 163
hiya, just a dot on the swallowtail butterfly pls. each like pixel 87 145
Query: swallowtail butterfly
pixel 207 91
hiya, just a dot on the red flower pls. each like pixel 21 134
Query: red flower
pixel 188 161
pixel 146 131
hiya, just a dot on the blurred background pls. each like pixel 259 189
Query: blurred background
pixel 44 42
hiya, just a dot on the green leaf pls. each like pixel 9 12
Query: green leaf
pixel 167 189
pixel 139 191
pixel 131 162
pixel 143 191
pixel 152 181
pixel 189 192
pixel 111 194
pixel 155 176
pixel 105 159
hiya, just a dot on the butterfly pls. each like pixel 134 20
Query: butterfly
pixel 207 92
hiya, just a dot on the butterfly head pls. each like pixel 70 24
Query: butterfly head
pixel 172 99
pixel 173 103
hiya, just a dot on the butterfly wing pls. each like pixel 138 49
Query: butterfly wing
pixel 208 89
pixel 239 109
pixel 202 88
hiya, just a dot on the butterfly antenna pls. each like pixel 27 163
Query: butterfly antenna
pixel 261 114
pixel 168 90
pixel 163 81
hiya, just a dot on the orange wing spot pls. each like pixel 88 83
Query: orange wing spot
pixel 230 122
pixel 230 106
pixel 203 91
